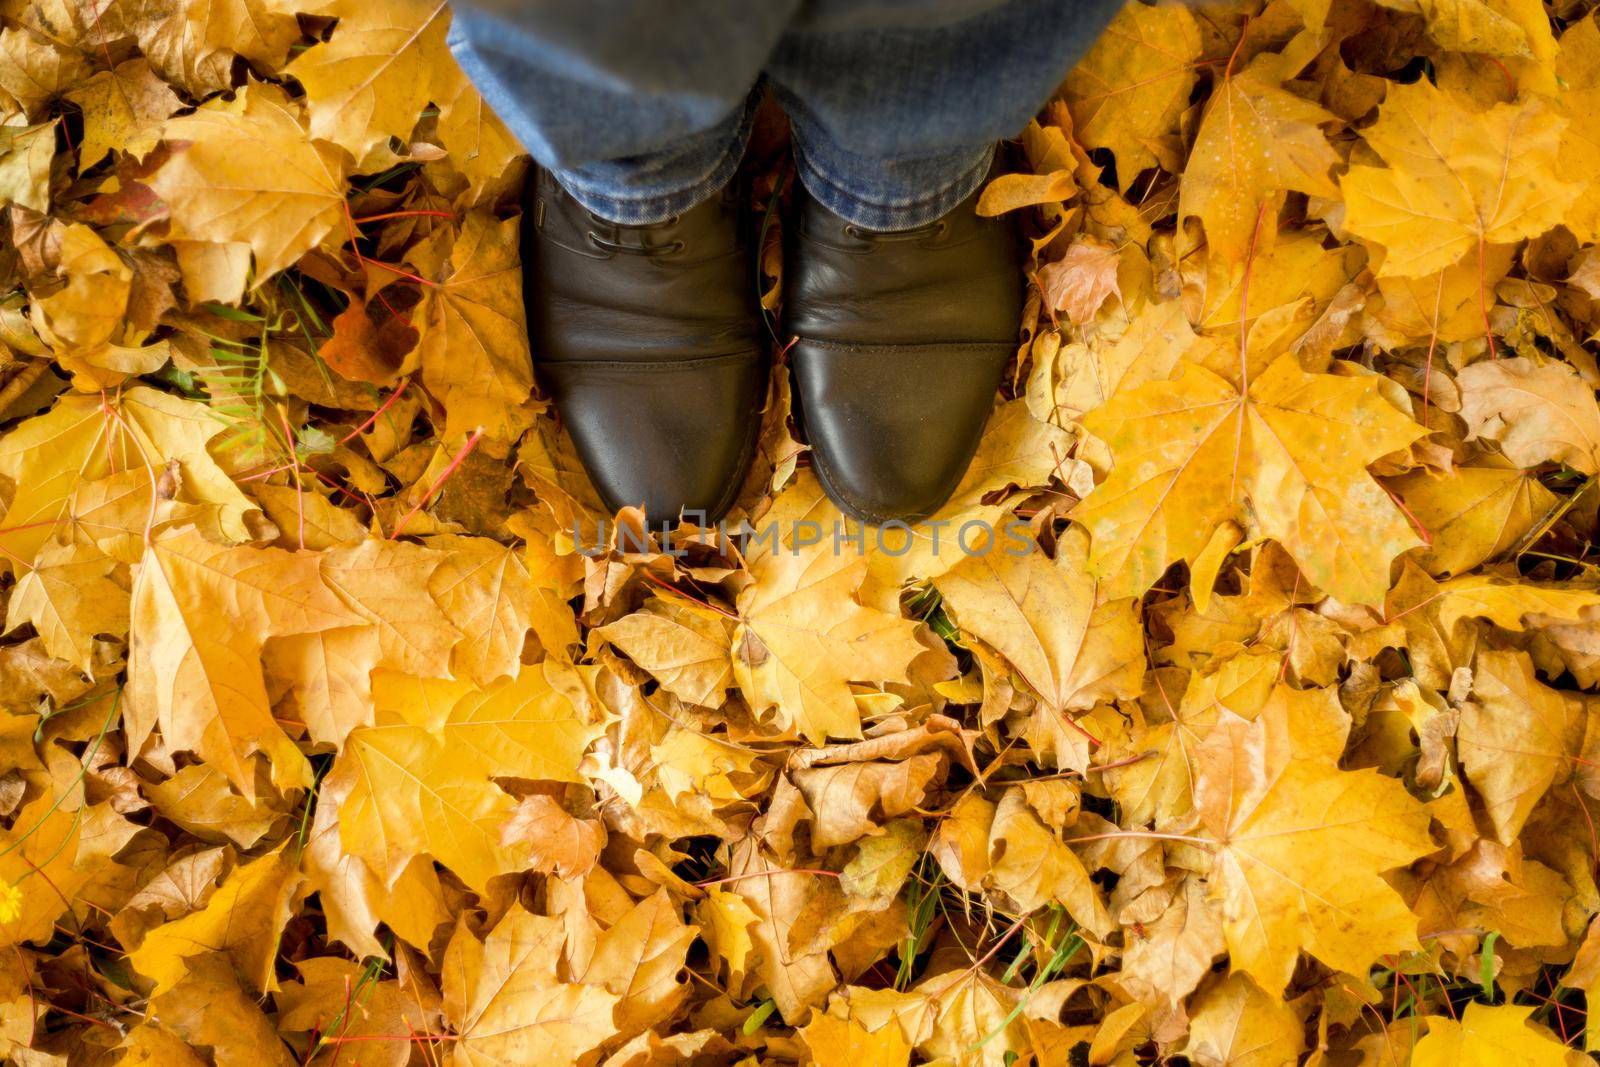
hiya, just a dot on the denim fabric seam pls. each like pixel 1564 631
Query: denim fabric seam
pixel 654 207
pixel 897 214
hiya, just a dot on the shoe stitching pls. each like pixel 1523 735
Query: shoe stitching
pixel 853 346
pixel 847 502
pixel 852 506
pixel 741 469
pixel 644 364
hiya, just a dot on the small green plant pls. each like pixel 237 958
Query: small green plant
pixel 1060 954
pixel 241 387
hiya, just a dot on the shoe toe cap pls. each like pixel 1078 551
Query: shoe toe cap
pixel 893 427
pixel 868 485
pixel 674 437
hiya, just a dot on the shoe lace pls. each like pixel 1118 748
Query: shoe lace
pixel 639 248
pixel 936 228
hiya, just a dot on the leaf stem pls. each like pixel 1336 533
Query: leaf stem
pixel 1149 835
pixel 767 874
pixel 438 484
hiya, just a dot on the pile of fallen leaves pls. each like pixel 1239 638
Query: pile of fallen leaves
pixel 323 742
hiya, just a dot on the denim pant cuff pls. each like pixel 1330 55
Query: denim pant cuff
pixel 918 201
pixel 619 191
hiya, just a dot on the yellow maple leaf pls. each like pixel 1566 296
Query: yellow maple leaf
pixel 640 958
pixel 1439 307
pixel 1577 71
pixel 1164 960
pixel 34 69
pixel 1256 142
pixel 354 899
pixel 1084 376
pixel 803 637
pixel 196 42
pixel 371 79
pixel 1510 603
pixel 325 678
pixel 836 1042
pixel 207 1007
pixel 122 108
pixel 347 1009
pixel 1287 460
pixel 203 683
pixel 25 155
pixel 88 311
pixel 795 978
pixel 1457 177
pixel 1508 28
pixel 558 842
pixel 486 591
pixel 474 344
pixel 682 644
pixel 245 171
pixel 1537 411
pixel 198 799
pixel 1493 887
pixel 1301 844
pixel 508 1004
pixel 973 1024
pixel 1516 738
pixel 726 919
pixel 1127 92
pixel 1161 788
pixel 1032 867
pixel 241 922
pixel 1233 1022
pixel 420 779
pixel 384 583
pixel 481 149
pixel 39 866
pixel 62 454
pixel 71 595
pixel 1485 1036
pixel 1042 615
pixel 1473 514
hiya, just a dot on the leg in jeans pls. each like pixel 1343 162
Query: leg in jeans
pixel 640 108
pixel 636 273
pixel 643 333
pixel 902 302
pixel 895 124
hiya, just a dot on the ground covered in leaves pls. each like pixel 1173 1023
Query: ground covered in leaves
pixel 320 742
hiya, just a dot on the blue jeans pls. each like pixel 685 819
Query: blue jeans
pixel 642 108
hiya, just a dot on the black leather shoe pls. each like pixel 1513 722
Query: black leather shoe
pixel 901 341
pixel 647 337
